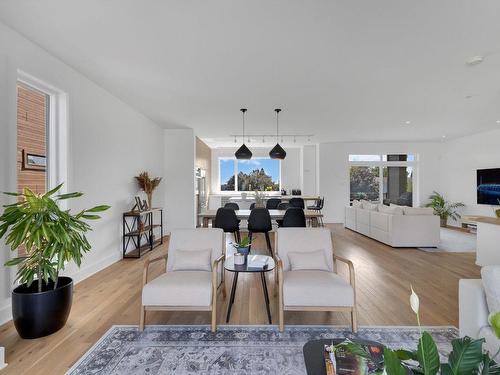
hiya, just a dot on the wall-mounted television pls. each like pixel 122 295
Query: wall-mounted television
pixel 488 186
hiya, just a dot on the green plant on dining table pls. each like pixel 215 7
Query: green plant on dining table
pixel 466 358
pixel 51 237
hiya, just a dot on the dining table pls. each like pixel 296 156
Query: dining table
pixel 311 215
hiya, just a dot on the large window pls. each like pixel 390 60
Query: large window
pixel 249 175
pixel 383 178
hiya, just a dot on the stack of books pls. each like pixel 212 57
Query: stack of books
pixel 257 262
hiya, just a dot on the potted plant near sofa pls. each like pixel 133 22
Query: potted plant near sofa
pixel 50 237
pixel 443 208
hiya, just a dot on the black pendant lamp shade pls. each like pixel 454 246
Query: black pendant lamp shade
pixel 277 152
pixel 243 152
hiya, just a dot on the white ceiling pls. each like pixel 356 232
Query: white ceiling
pixel 343 70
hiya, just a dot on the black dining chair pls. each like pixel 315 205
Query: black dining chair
pixel 283 206
pixel 318 206
pixel 259 221
pixel 294 217
pixel 232 206
pixel 297 202
pixel 273 203
pixel 226 219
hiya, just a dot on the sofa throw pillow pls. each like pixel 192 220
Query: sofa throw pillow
pixel 418 210
pixel 192 260
pixel 490 276
pixel 308 260
pixel 395 210
pixel 356 203
pixel 370 206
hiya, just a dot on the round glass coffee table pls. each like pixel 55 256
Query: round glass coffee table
pixel 236 269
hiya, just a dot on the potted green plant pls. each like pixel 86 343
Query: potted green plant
pixel 497 211
pixel 443 208
pixel 243 246
pixel 50 237
pixel 467 356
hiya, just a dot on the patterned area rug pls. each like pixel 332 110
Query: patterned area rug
pixel 230 350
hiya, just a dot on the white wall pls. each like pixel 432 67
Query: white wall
pixel 179 183
pixel 334 175
pixel 291 166
pixel 109 143
pixel 461 158
pixel 310 168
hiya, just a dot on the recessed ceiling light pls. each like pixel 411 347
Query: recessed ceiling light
pixel 407 122
pixel 474 60
pixel 443 136
pixel 497 121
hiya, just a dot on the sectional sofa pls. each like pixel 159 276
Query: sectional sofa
pixel 396 226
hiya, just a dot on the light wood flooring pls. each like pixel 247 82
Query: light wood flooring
pixel 383 277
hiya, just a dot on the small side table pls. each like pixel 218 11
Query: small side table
pixel 236 269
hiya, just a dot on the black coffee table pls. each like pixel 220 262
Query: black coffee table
pixel 313 353
pixel 231 267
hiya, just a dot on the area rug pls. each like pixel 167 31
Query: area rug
pixel 231 350
pixel 454 241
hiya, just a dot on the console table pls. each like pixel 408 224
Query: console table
pixel 139 226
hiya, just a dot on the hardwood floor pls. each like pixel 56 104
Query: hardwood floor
pixel 383 276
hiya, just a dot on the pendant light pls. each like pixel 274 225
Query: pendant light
pixel 243 152
pixel 277 152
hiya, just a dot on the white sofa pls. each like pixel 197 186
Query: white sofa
pixel 395 226
pixel 477 299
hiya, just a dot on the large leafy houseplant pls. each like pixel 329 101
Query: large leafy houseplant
pixel 49 238
pixel 443 208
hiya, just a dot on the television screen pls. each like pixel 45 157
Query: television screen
pixel 488 186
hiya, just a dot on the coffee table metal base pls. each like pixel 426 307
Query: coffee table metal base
pixel 233 293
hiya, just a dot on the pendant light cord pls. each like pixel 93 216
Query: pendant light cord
pixel 277 110
pixel 243 110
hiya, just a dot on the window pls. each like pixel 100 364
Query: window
pixel 248 175
pixel 386 178
pixel 32 128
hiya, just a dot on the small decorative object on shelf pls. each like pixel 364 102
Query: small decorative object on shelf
pixel 148 185
pixel 139 226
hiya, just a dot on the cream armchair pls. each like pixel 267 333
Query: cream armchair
pixel 188 289
pixel 308 287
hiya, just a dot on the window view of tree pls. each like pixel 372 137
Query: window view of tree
pixel 387 178
pixel 254 174
pixel 226 168
pixel 364 183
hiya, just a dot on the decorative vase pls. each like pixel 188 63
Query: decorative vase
pixel 244 251
pixel 259 205
pixel 444 222
pixel 150 199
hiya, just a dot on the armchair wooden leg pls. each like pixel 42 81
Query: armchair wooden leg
pixel 214 318
pixel 281 313
pixel 354 320
pixel 142 319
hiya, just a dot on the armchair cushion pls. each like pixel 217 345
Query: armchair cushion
pixel 310 260
pixel 316 288
pixel 180 288
pixel 192 260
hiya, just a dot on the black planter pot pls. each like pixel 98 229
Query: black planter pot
pixel 38 314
